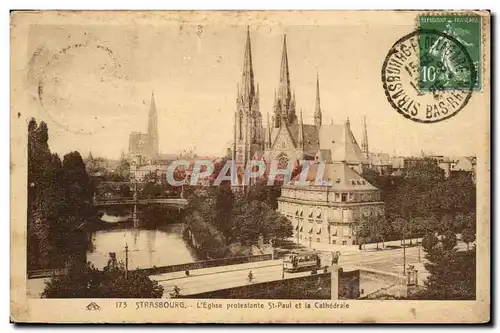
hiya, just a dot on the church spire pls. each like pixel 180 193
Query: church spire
pixel 153 128
pixel 284 90
pixel 247 80
pixel 364 145
pixel 301 131
pixel 317 113
pixel 269 131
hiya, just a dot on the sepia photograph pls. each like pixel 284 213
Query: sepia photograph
pixel 250 166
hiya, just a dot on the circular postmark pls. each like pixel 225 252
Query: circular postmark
pixel 428 76
pixel 72 83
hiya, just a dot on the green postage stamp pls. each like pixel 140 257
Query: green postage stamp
pixel 442 62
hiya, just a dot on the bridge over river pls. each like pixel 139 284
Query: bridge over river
pixel 169 201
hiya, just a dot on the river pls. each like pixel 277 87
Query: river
pixel 146 248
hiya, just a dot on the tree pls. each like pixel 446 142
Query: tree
pixel 262 192
pixel 223 207
pixel 152 185
pixel 362 231
pixel 125 190
pixel 253 219
pixel 123 168
pixel 380 229
pixel 280 226
pixel 88 282
pixel 452 273
pixel 76 185
pixel 208 240
pixel 59 195
pixel 400 226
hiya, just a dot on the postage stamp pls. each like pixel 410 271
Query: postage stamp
pixel 250 167
pixel 402 77
pixel 439 66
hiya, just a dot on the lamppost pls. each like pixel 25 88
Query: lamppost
pixel 126 261
pixel 404 253
pixel 298 229
pixel 418 245
pixel 283 268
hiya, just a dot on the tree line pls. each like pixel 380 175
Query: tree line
pixel 222 220
pixel 422 202
pixel 59 201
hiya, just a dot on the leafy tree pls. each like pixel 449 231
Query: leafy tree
pixel 264 193
pixel 209 241
pixel 400 226
pixel 255 218
pixel 379 229
pixel 223 206
pixel 152 185
pixel 280 227
pixel 424 173
pixel 452 273
pixel 59 195
pixel 123 168
pixel 125 190
pixel 362 231
pixel 88 282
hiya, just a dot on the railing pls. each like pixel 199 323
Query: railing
pixel 144 201
pixel 46 273
pixel 206 264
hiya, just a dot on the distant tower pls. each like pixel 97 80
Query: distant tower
pixel 364 145
pixel 284 105
pixel 248 119
pixel 317 112
pixel 153 129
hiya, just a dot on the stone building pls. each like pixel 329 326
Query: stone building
pixel 330 214
pixel 286 139
pixel 145 145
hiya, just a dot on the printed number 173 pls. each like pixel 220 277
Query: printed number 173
pixel 121 305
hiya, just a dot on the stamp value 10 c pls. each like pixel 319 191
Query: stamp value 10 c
pixel 442 65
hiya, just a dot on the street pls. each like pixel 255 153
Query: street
pixel 388 261
pixel 214 278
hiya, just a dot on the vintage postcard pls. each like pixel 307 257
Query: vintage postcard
pixel 250 167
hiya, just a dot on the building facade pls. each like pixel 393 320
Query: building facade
pixel 330 214
pixel 286 138
pixel 325 214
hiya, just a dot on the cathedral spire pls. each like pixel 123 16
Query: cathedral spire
pixel 364 145
pixel 317 113
pixel 247 80
pixel 153 128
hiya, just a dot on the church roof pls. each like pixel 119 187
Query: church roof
pixel 310 132
pixel 325 155
pixel 340 140
pixel 338 175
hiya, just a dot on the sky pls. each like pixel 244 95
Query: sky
pixel 92 84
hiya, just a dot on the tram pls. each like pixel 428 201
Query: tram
pixel 301 261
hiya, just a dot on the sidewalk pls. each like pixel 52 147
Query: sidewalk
pixel 347 249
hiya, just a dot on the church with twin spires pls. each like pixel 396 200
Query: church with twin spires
pixel 286 138
pixel 319 214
